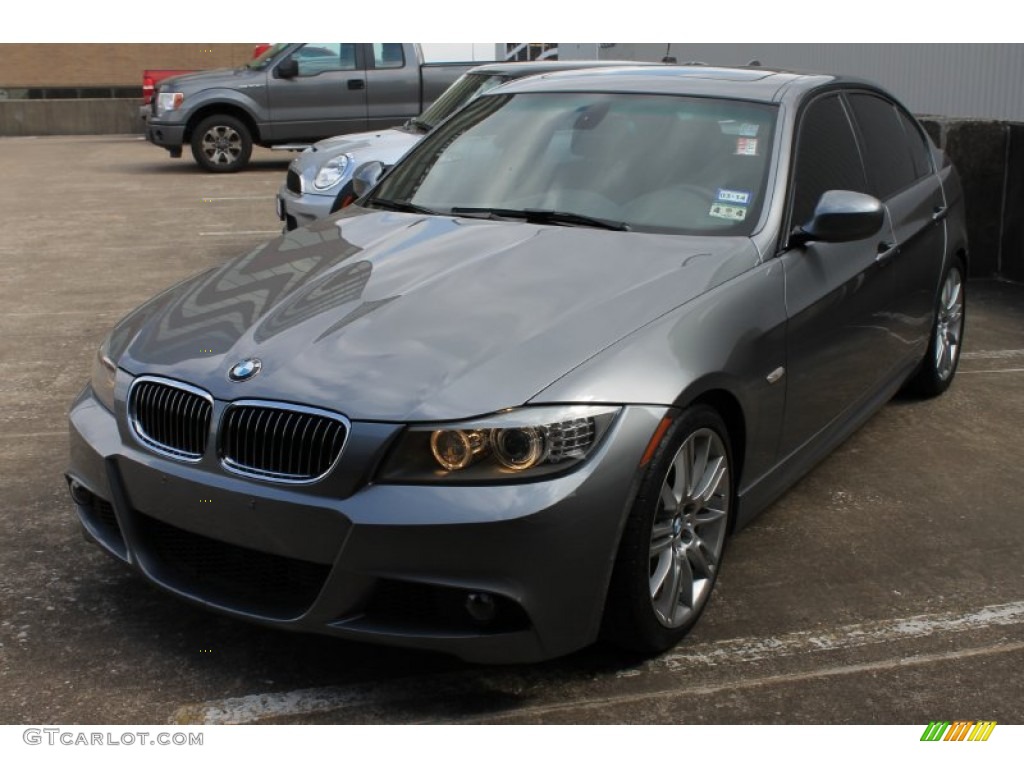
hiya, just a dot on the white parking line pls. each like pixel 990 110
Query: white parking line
pixel 995 370
pixel 250 197
pixel 248 709
pixel 242 232
pixel 992 354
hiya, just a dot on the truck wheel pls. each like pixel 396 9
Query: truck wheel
pixel 221 144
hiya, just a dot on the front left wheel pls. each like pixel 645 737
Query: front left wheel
pixel 222 144
pixel 672 545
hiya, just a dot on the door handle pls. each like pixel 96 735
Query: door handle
pixel 356 84
pixel 938 213
pixel 886 250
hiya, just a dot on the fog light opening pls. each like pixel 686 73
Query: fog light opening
pixel 481 607
pixel 80 494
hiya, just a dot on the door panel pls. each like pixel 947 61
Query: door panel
pixel 840 340
pixel 326 99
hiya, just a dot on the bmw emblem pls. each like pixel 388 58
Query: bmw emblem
pixel 245 370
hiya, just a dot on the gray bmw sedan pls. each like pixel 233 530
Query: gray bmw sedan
pixel 518 396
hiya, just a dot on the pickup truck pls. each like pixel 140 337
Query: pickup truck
pixel 294 93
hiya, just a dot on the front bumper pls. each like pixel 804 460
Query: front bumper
pixel 381 563
pixel 170 136
pixel 298 210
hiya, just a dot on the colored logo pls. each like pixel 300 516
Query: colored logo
pixel 958 730
pixel 245 370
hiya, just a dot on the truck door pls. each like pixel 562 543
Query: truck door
pixel 392 84
pixel 327 97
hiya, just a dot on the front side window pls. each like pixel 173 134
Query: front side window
pixel 827 157
pixel 315 58
pixel 655 163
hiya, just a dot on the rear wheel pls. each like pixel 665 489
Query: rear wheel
pixel 222 144
pixel 674 539
pixel 938 368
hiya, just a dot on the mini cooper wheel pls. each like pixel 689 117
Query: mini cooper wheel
pixel 222 144
pixel 938 368
pixel 674 538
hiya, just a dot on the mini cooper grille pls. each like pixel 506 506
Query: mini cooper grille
pixel 170 419
pixel 293 182
pixel 280 443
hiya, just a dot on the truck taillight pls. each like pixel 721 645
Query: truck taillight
pixel 147 89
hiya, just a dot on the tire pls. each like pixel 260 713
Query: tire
pixel 674 538
pixel 936 371
pixel 221 144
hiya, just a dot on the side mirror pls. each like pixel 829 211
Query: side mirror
pixel 841 216
pixel 366 176
pixel 287 69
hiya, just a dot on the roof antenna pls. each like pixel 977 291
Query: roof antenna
pixel 668 58
pixel 753 63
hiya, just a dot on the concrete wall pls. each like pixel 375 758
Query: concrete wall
pixel 990 159
pixel 45 117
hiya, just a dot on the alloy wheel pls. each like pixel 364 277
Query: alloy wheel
pixel 689 528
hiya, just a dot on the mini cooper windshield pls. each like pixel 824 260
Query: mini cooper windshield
pixel 585 159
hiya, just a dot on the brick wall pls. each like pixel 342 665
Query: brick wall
pixel 24 65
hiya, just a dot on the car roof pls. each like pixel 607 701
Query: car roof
pixel 528 68
pixel 749 83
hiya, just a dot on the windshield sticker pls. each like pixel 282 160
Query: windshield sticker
pixel 730 212
pixel 732 128
pixel 734 196
pixel 746 146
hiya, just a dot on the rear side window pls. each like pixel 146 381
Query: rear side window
pixel 826 157
pixel 388 56
pixel 920 151
pixel 886 150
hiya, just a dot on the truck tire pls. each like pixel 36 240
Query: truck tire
pixel 221 144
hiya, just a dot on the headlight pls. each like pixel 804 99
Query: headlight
pixel 104 372
pixel 167 102
pixel 331 172
pixel 517 444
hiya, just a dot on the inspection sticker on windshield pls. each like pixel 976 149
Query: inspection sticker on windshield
pixel 733 196
pixel 730 212
pixel 746 146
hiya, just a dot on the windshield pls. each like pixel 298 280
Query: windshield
pixel 458 93
pixel 261 61
pixel 646 162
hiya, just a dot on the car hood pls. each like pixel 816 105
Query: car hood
pixel 403 317
pixel 351 142
pixel 384 146
pixel 211 78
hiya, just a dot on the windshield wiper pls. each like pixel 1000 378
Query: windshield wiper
pixel 542 216
pixel 400 205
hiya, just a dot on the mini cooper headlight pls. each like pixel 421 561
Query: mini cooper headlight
pixel 104 373
pixel 331 172
pixel 515 444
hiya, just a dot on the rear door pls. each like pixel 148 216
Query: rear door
pixel 326 98
pixel 838 295
pixel 392 85
pixel 901 175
